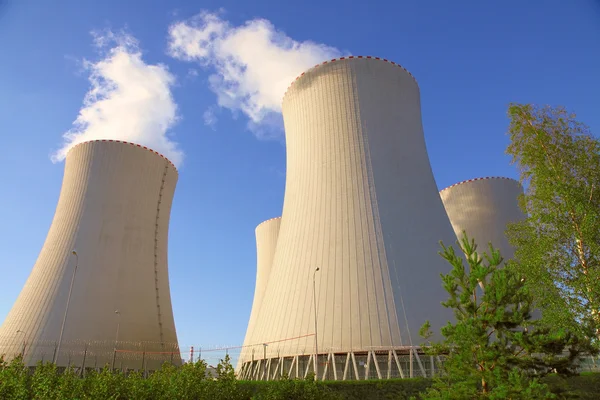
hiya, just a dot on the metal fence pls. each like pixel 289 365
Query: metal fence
pixel 146 356
pixel 375 363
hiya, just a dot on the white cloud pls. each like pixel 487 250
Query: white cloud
pixel 128 100
pixel 253 64
pixel 210 118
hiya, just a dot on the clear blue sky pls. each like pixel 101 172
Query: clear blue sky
pixel 471 58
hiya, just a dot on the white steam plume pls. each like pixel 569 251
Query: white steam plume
pixel 253 63
pixel 128 100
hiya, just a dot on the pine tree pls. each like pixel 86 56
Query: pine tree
pixel 493 349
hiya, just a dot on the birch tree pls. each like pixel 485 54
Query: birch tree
pixel 558 245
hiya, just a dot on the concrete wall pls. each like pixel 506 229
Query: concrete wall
pixel 484 207
pixel 114 209
pixel 361 204
pixel 266 242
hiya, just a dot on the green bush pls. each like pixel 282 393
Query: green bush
pixel 70 385
pixel 138 388
pixel 105 385
pixel 294 389
pixel 190 381
pixel 14 380
pixel 397 389
pixel 584 386
pixel 44 382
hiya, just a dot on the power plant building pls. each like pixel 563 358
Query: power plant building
pixel 99 291
pixel 356 270
pixel 345 277
pixel 266 233
pixel 483 208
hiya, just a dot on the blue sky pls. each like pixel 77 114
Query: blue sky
pixel 471 59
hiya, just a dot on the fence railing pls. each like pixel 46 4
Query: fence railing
pixel 259 361
pixel 95 354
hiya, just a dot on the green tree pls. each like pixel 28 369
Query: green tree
pixel 227 386
pixel 493 349
pixel 225 371
pixel 558 245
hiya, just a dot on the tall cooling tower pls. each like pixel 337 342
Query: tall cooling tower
pixel 361 204
pixel 484 207
pixel 266 240
pixel 114 211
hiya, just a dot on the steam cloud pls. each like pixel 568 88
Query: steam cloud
pixel 128 100
pixel 253 64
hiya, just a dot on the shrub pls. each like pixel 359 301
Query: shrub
pixel 14 380
pixel 190 382
pixel 105 384
pixel 44 381
pixel 297 390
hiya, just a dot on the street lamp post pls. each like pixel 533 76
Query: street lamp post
pixel 316 341
pixel 116 337
pixel 23 348
pixel 265 359
pixel 62 328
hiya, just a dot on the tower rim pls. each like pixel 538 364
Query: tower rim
pixel 345 59
pixel 482 178
pixel 129 143
pixel 268 220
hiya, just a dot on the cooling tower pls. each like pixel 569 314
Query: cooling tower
pixel 266 240
pixel 110 299
pixel 484 207
pixel 361 204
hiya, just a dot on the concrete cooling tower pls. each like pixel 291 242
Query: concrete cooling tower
pixel 266 241
pixel 484 207
pixel 361 205
pixel 99 291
